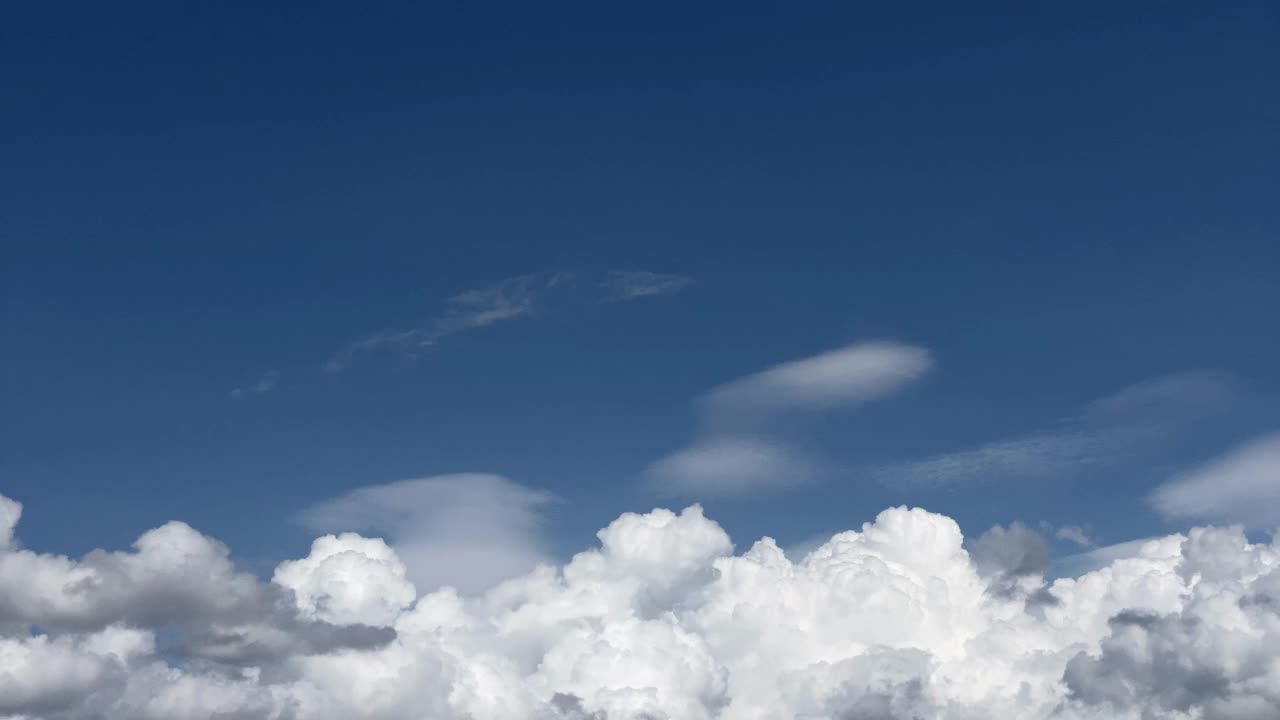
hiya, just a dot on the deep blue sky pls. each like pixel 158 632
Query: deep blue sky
pixel 1057 201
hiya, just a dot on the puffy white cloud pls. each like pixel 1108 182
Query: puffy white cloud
pixel 896 620
pixel 174 573
pixel 347 580
pixel 1242 486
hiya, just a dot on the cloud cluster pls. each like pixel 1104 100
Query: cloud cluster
pixel 897 620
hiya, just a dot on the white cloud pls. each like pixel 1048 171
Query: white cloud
pixel 1112 429
pixel 348 579
pixel 1100 557
pixel 1074 534
pixel 727 466
pixel 849 376
pixel 465 530
pixel 664 618
pixel 1241 486
pixel 726 461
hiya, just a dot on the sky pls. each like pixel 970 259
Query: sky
pixel 479 279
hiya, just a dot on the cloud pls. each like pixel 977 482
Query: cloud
pixel 1100 557
pixel 264 384
pixel 845 377
pixel 466 531
pixel 725 461
pixel 1112 429
pixel 1074 534
pixel 173 577
pixel 1015 550
pixel 726 466
pixel 664 617
pixel 509 299
pixel 621 286
pixel 1242 486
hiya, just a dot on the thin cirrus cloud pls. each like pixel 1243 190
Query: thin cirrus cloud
pixel 1130 423
pixel 507 300
pixel 724 462
pixel 264 384
pixel 1241 486
pixel 623 286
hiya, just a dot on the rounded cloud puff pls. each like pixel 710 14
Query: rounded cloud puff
pixel 892 621
pixel 348 579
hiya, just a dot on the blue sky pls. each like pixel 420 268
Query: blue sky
pixel 257 260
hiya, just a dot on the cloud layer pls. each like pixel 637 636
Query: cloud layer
pixel 663 619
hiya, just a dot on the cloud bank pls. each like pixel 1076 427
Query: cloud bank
pixel 896 620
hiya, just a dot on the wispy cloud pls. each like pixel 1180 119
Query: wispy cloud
pixel 1108 430
pixel 1241 486
pixel 621 286
pixel 264 384
pixel 722 462
pixel 721 466
pixel 510 299
pixel 466 531
pixel 1074 534
pixel 848 376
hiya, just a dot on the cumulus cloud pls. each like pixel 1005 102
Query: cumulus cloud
pixel 1241 486
pixel 1107 431
pixel 725 460
pixel 466 530
pixel 507 300
pixel 898 619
